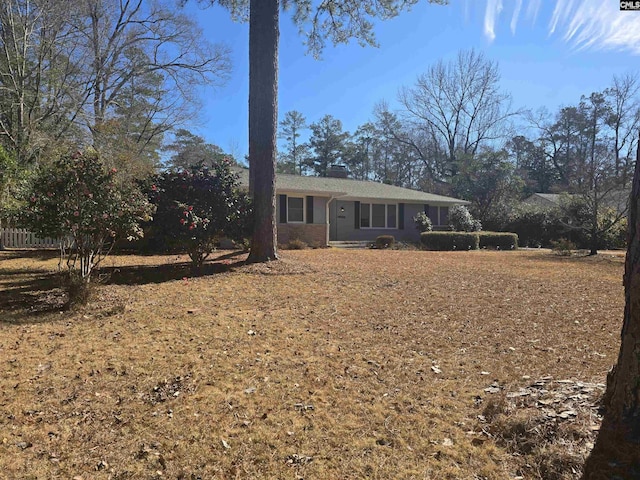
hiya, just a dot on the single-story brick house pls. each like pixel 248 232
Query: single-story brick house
pixel 318 210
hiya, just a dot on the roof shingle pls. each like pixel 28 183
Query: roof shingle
pixel 349 189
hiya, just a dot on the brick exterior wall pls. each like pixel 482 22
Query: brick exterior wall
pixel 314 235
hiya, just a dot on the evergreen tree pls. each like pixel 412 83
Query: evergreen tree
pixel 295 155
pixel 189 150
pixel 329 144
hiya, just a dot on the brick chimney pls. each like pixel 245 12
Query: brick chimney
pixel 338 171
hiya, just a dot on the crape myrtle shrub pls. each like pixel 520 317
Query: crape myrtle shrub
pixel 195 208
pixel 296 244
pixel 449 240
pixel 78 200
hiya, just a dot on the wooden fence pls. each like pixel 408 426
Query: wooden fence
pixel 23 238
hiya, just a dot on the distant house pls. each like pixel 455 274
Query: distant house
pixel 544 200
pixel 318 210
pixel 616 199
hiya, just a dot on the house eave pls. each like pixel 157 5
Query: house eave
pixel 319 193
pixel 434 201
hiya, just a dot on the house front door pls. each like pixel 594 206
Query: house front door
pixel 341 221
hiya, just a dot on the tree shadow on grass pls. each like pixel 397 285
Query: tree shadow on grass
pixel 30 300
pixel 616 454
pixel 38 254
pixel 145 274
pixel 31 295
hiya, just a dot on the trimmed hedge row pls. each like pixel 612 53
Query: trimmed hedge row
pixel 498 240
pixel 450 240
pixel 468 240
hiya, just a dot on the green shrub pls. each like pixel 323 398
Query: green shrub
pixel 536 226
pixel 423 222
pixel 562 246
pixel 197 207
pixel 616 235
pixel 450 240
pixel 385 241
pixel 498 240
pixel 78 199
pixel 608 231
pixel 461 220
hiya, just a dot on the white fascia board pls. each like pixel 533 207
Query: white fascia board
pixel 404 200
pixel 312 193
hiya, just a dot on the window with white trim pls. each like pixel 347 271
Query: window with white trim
pixel 378 215
pixel 295 209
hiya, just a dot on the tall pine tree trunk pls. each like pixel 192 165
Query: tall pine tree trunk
pixel 617 450
pixel 263 120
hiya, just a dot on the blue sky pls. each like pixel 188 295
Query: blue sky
pixel 549 52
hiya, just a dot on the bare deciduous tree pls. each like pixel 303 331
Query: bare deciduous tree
pixel 145 61
pixel 419 144
pixel 40 90
pixel 624 120
pixel 460 104
pixel 118 74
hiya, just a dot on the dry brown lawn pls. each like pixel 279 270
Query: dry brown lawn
pixel 329 364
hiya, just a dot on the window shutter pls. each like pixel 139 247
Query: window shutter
pixel 283 209
pixel 401 216
pixel 309 209
pixel 356 214
pixel 433 215
pixel 444 215
pixel 426 209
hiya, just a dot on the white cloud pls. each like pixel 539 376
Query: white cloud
pixel 466 10
pixel 560 14
pixel 494 7
pixel 533 8
pixel 601 25
pixel 584 24
pixel 516 14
